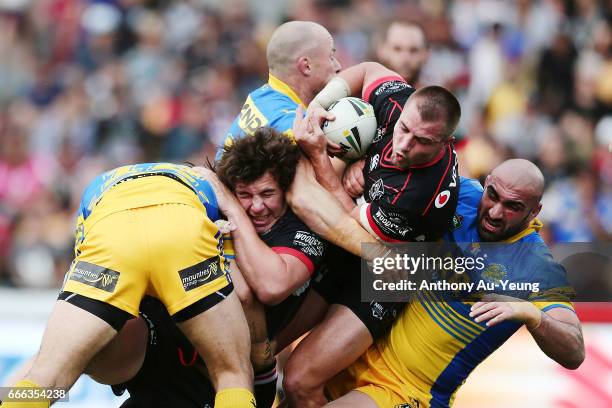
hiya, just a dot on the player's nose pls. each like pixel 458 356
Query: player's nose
pixel 495 212
pixel 257 205
pixel 406 142
pixel 337 66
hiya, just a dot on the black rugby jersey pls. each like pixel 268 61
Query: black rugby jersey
pixel 414 204
pixel 289 235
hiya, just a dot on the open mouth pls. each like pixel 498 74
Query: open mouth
pixel 490 226
pixel 259 221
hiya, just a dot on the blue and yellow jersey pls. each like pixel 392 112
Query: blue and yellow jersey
pixel 273 104
pixel 174 184
pixel 435 344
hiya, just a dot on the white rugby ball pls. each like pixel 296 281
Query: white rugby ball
pixel 354 126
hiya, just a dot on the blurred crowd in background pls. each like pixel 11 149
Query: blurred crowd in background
pixel 86 86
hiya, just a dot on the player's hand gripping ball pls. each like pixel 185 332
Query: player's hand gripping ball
pixel 354 127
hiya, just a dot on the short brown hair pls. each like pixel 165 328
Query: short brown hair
pixel 437 103
pixel 249 158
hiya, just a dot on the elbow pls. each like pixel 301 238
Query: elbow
pixel 270 295
pixel 575 360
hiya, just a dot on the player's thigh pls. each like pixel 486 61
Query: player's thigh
pixel 221 336
pixel 187 263
pixel 330 347
pixel 353 399
pixel 72 337
pixel 121 359
pixel 311 312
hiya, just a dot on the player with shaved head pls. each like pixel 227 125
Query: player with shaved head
pixel 422 363
pixel 511 199
pixel 301 60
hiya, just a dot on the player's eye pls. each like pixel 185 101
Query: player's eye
pixel 491 194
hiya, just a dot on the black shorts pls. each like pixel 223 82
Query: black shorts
pixel 169 376
pixel 341 285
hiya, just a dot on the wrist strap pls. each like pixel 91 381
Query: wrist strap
pixel 335 89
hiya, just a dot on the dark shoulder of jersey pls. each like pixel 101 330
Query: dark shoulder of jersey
pixel 417 203
pixel 388 97
pixel 290 235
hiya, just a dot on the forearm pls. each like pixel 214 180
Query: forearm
pixel 561 341
pixel 325 215
pixel 262 268
pixel 359 76
pixel 327 177
pixel 262 354
pixel 351 82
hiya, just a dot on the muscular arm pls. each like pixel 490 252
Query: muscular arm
pixel 324 214
pixel 557 331
pixel 559 336
pixel 270 275
pixel 308 132
pixel 359 77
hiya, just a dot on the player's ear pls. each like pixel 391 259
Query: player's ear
pixel 304 66
pixel 534 213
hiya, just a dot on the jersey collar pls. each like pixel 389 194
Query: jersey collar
pixel 534 226
pixel 285 89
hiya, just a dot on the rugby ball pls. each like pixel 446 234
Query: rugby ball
pixel 354 126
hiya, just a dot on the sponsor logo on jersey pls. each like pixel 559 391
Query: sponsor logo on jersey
pixel 457 221
pixel 442 199
pixel 495 273
pixel 96 276
pixel 392 222
pixel 309 243
pixel 374 161
pixel 201 273
pixel 391 87
pixel 377 190
pixel 250 117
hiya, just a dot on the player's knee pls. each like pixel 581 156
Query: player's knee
pixel 299 381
